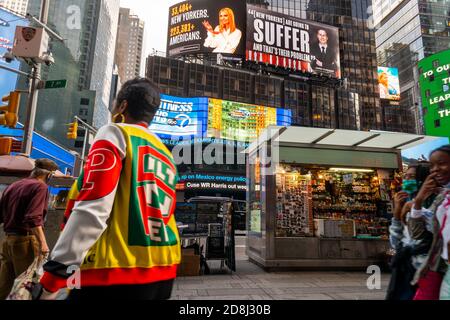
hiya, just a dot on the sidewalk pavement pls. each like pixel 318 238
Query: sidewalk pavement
pixel 252 283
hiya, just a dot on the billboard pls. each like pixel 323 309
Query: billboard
pixel 243 122
pixel 8 23
pixel 203 26
pixel 180 117
pixel 389 83
pixel 281 40
pixel 434 85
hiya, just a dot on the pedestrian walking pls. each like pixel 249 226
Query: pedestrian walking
pixel 430 276
pixel 409 253
pixel 120 228
pixel 23 209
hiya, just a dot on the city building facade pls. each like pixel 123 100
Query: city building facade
pixel 129 48
pixel 352 104
pixel 17 6
pixel 85 59
pixel 407 32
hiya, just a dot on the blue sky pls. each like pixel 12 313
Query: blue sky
pixel 424 149
pixel 155 13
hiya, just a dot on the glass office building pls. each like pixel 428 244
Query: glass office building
pixel 85 59
pixel 410 31
pixel 352 103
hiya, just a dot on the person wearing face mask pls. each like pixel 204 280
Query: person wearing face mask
pixel 410 253
pixel 23 208
pixel 433 277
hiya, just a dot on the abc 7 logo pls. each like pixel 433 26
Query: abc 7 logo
pixel 181 120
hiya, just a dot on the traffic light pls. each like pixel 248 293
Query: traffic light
pixel 9 117
pixel 72 134
pixel 5 146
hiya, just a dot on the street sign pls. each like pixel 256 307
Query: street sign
pixel 55 84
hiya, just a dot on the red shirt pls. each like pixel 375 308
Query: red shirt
pixel 24 205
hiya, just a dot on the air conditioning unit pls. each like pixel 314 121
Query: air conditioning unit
pixel 327 228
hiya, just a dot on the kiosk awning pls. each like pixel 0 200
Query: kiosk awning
pixel 336 137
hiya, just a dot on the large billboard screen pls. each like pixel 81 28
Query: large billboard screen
pixel 204 26
pixel 243 122
pixel 281 40
pixel 434 84
pixel 181 117
pixel 389 83
pixel 8 23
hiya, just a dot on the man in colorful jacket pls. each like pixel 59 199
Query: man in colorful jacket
pixel 121 229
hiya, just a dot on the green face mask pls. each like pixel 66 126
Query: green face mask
pixel 410 186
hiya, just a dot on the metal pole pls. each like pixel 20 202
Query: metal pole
pixel 15 71
pixel 86 135
pixel 33 97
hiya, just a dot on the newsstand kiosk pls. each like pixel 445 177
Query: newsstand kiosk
pixel 321 198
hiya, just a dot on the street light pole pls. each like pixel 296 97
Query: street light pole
pixel 33 96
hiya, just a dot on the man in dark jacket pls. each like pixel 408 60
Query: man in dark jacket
pixel 22 211
pixel 325 55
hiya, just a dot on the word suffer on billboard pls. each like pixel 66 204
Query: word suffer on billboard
pixel 284 41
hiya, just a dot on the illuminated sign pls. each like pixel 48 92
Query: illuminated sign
pixel 389 83
pixel 184 121
pixel 435 90
pixel 213 178
pixel 215 186
pixel 180 117
pixel 285 41
pixel 203 26
pixel 241 121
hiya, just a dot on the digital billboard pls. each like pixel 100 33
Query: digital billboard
pixel 389 83
pixel 434 84
pixel 241 121
pixel 281 40
pixel 180 117
pixel 203 26
pixel 8 23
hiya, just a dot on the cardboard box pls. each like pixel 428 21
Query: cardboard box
pixel 190 265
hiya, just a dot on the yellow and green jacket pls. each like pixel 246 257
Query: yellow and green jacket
pixel 119 226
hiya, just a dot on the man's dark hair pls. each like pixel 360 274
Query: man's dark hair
pixel 143 97
pixel 445 149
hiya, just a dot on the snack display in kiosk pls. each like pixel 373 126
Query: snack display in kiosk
pixel 345 202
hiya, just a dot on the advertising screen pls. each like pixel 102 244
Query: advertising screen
pixel 180 117
pixel 281 40
pixel 389 83
pixel 8 23
pixel 202 26
pixel 243 122
pixel 434 84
